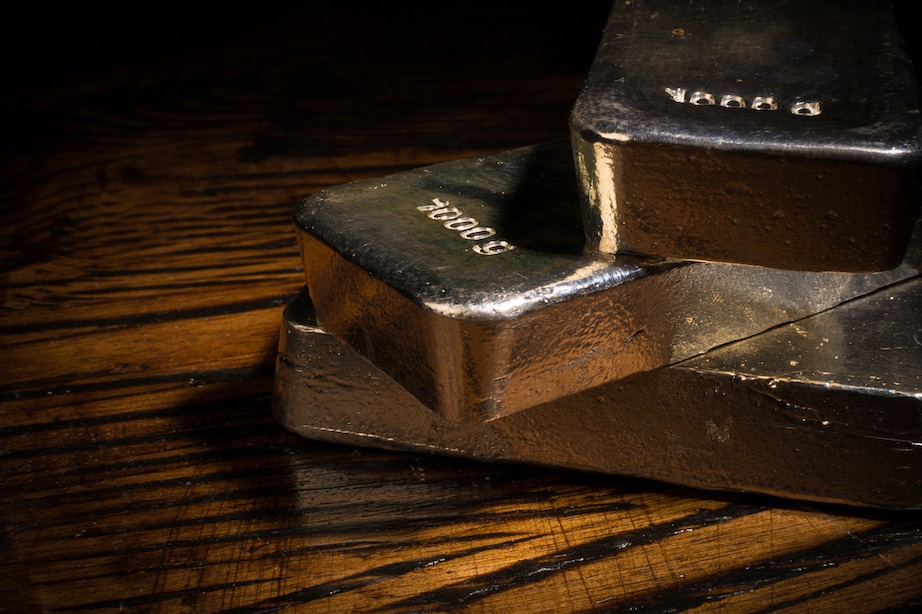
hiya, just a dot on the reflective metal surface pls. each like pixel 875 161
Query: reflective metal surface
pixel 468 283
pixel 778 133
pixel 828 408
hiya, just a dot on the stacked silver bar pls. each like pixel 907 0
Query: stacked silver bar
pixel 457 309
pixel 828 408
pixel 781 133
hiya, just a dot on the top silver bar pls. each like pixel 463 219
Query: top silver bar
pixel 781 133
pixel 468 283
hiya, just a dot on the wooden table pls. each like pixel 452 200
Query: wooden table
pixel 151 159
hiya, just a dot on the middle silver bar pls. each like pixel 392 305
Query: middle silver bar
pixel 468 283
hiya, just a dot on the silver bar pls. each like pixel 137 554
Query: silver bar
pixel 468 283
pixel 828 408
pixel 778 133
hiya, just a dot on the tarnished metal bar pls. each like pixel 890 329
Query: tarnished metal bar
pixel 468 283
pixel 781 133
pixel 828 408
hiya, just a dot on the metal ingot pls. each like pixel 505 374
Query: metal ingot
pixel 828 408
pixel 778 133
pixel 468 283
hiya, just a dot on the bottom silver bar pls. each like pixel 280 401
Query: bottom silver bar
pixel 828 408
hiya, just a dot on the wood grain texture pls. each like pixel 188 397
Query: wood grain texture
pixel 150 161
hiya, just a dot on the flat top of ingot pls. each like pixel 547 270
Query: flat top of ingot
pixel 485 238
pixel 872 345
pixel 787 77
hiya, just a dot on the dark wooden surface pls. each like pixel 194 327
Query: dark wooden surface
pixel 151 159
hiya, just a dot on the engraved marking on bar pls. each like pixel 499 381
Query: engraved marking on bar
pixel 733 101
pixel 468 228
